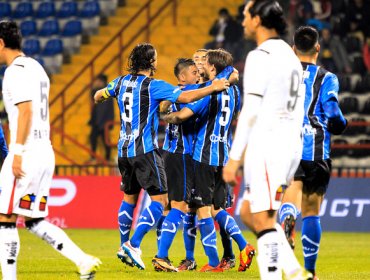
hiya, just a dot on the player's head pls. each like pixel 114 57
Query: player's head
pixel 10 38
pixel 263 13
pixel 142 58
pixel 186 72
pixel 216 61
pixel 306 41
pixel 223 13
pixel 199 58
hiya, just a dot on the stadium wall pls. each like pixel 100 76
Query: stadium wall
pixel 93 202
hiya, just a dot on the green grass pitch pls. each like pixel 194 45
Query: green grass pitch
pixel 342 256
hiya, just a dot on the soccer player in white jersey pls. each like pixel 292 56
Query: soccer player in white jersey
pixel 269 124
pixel 27 172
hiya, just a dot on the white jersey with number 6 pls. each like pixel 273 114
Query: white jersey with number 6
pixel 274 73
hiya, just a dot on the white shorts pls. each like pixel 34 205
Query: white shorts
pixel 27 196
pixel 268 170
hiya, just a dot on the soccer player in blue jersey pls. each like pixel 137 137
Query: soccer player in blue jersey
pixel 190 229
pixel 138 96
pixel 211 147
pixel 177 151
pixel 322 118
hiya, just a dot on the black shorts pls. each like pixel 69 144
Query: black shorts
pixel 209 185
pixel 315 176
pixel 143 171
pixel 180 176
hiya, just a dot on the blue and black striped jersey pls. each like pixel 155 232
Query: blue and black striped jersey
pixel 138 99
pixel 321 86
pixel 179 137
pixel 213 127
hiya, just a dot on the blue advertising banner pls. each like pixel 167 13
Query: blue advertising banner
pixel 346 206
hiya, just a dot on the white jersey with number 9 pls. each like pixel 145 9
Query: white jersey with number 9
pixel 274 73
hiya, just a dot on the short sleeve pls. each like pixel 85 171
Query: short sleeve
pixel 255 75
pixel 161 90
pixel 199 106
pixel 112 87
pixel 329 87
pixel 19 81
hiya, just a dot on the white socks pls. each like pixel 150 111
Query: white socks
pixel 58 239
pixel 9 249
pixel 288 260
pixel 269 255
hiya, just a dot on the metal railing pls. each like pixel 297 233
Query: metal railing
pixel 90 67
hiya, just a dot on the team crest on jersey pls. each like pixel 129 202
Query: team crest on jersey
pixel 43 201
pixel 27 201
pixel 279 192
pixel 110 86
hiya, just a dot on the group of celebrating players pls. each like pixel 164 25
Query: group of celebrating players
pixel 188 181
pixel 199 158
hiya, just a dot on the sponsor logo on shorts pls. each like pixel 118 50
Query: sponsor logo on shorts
pixel 279 193
pixel 27 201
pixel 43 201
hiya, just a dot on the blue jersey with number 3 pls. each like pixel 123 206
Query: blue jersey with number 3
pixel 138 99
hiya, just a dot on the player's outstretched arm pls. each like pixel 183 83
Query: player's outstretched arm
pixel 179 117
pixel 194 95
pixel 101 95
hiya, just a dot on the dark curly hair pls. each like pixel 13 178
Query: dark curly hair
pixel 141 58
pixel 10 34
pixel 271 14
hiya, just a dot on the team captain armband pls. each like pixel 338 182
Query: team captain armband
pixel 105 94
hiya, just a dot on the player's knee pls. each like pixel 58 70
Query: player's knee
pixel 162 199
pixel 215 210
pixel 180 205
pixel 31 224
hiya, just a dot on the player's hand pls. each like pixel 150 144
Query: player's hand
pixel 165 106
pixel 229 171
pixel 220 84
pixel 169 118
pixel 17 167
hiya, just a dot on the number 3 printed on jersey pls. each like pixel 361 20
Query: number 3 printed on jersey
pixel 127 99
